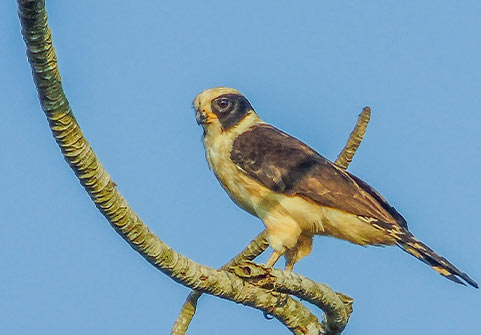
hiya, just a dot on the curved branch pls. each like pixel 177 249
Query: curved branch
pixel 337 307
pixel 114 207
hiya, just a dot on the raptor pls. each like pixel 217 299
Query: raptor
pixel 296 192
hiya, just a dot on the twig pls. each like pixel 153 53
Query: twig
pixel 346 155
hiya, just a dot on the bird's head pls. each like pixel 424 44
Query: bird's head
pixel 221 108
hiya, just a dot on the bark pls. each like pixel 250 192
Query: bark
pixel 346 155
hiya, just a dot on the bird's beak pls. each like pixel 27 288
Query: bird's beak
pixel 201 117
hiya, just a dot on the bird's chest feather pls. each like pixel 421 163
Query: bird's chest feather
pixel 247 192
pixel 244 191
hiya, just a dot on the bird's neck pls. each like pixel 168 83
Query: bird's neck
pixel 214 132
pixel 218 142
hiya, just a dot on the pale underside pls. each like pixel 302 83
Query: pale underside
pixel 291 221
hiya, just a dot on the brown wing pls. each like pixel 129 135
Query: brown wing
pixel 286 165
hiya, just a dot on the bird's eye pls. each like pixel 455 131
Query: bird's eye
pixel 223 103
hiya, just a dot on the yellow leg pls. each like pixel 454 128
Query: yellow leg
pixel 289 265
pixel 301 249
pixel 273 259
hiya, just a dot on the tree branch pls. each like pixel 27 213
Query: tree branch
pixel 333 304
pixel 256 247
pixel 346 155
pixel 103 192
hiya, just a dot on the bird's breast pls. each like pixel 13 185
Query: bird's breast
pixel 244 191
pixel 250 194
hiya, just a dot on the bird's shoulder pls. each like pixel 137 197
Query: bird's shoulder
pixel 286 165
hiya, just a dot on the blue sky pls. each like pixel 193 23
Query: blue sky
pixel 131 71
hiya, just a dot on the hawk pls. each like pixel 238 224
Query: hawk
pixel 296 192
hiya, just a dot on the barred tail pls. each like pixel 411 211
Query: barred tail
pixel 439 264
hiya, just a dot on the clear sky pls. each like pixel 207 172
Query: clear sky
pixel 131 70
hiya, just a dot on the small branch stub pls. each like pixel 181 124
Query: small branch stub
pixel 346 155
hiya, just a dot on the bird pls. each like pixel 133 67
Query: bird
pixel 296 192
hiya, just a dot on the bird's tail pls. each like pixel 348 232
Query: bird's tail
pixel 439 264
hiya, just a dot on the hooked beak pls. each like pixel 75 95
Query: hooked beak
pixel 200 117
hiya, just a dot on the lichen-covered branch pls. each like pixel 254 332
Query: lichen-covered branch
pixel 336 306
pixel 337 317
pixel 115 208
pixel 346 155
pixel 256 247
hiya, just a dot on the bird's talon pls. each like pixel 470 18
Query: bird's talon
pixel 282 301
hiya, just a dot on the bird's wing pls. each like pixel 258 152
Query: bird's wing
pixel 286 165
